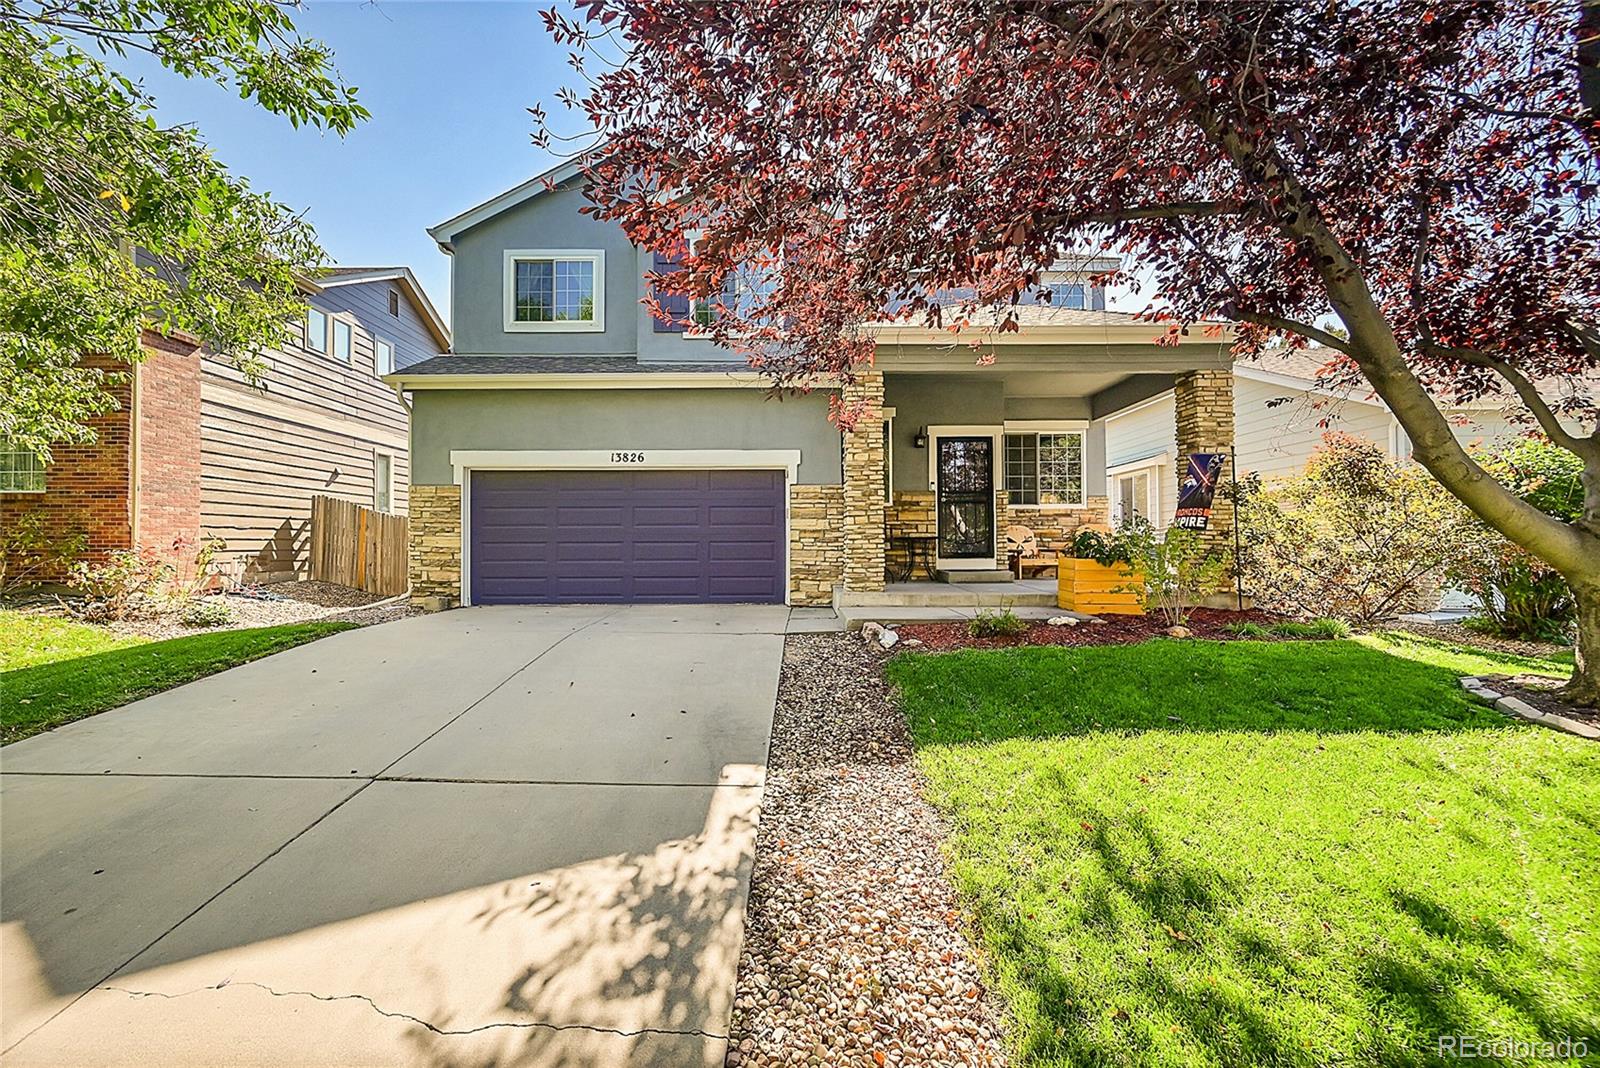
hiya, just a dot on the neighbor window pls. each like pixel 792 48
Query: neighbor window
pixel 1043 469
pixel 21 470
pixel 555 291
pixel 343 336
pixel 383 356
pixel 383 482
pixel 317 330
pixel 394 304
pixel 1066 295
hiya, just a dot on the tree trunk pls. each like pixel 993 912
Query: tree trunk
pixel 1584 689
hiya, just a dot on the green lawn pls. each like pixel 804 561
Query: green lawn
pixel 55 672
pixel 1191 853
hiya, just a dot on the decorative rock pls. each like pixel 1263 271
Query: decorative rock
pixel 870 631
pixel 1178 632
pixel 912 643
pixel 887 638
pixel 1063 621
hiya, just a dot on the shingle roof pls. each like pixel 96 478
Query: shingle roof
pixel 563 365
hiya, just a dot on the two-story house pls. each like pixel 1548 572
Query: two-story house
pixel 196 450
pixel 573 447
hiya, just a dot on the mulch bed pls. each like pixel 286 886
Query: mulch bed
pixel 1111 630
pixel 854 952
pixel 1538 691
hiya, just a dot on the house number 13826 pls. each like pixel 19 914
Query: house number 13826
pixel 627 457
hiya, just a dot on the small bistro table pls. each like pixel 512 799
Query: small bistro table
pixel 917 550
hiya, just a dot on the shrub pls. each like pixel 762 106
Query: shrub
pixel 1002 624
pixel 1358 536
pixel 131 582
pixel 27 549
pixel 1103 549
pixel 1518 594
pixel 1172 570
pixel 207 612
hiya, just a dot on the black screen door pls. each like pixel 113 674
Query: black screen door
pixel 966 498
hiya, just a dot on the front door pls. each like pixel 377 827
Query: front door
pixel 966 498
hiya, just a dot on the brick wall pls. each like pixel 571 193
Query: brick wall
pixel 816 543
pixel 167 480
pixel 87 486
pixel 435 535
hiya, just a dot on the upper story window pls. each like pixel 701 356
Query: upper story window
pixel 556 291
pixel 1067 295
pixel 1045 469
pixel 317 330
pixel 382 356
pixel 343 341
pixel 394 304
pixel 21 470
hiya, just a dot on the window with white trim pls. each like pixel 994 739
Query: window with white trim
pixel 556 291
pixel 745 291
pixel 1044 469
pixel 383 482
pixel 343 341
pixel 21 470
pixel 1067 295
pixel 383 356
pixel 317 330
pixel 1133 495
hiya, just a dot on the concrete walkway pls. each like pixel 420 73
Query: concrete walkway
pixel 507 836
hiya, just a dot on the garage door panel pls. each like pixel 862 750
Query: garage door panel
pixel 627 536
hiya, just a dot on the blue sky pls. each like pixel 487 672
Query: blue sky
pixel 448 83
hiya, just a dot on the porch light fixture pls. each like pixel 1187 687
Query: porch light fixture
pixel 921 439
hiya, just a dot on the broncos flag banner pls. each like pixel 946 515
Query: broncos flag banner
pixel 1197 488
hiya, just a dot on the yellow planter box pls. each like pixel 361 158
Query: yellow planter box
pixel 1085 586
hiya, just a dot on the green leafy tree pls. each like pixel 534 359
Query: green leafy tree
pixel 1520 595
pixel 111 222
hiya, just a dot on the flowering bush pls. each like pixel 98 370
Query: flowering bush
pixel 1358 535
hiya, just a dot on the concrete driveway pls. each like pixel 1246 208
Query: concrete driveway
pixel 495 836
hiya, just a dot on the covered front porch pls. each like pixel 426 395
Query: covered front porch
pixel 950 452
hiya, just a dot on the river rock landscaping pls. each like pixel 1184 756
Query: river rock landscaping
pixel 854 951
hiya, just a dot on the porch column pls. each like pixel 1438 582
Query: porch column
pixel 1204 403
pixel 863 485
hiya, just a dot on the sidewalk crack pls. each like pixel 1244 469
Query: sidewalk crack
pixel 419 1021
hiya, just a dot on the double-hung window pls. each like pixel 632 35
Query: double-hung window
pixel 557 291
pixel 382 356
pixel 317 330
pixel 343 341
pixel 1044 469
pixel 21 470
pixel 383 482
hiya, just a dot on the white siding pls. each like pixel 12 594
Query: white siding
pixel 1275 440
pixel 1138 435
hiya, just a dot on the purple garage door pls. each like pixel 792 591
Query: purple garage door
pixel 621 537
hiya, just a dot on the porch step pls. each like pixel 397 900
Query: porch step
pixel 941 595
pixel 852 618
pixel 967 578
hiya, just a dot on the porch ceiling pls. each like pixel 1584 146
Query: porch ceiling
pixel 1016 382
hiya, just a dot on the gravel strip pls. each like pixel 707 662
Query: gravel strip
pixel 854 952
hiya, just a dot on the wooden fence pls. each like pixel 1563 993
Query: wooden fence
pixel 356 546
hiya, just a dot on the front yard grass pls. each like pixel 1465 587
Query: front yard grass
pixel 55 673
pixel 1193 853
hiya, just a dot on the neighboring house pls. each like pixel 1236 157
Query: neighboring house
pixel 575 448
pixel 1281 413
pixel 194 450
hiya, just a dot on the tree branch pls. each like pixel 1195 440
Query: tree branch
pixel 1526 390
pixel 1291 326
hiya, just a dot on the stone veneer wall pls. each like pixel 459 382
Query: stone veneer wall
pixel 435 534
pixel 816 543
pixel 1053 528
pixel 1204 416
pixel 863 484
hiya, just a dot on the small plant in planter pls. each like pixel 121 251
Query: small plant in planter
pixel 1095 577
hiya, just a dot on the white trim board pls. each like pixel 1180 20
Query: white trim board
pixel 463 460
